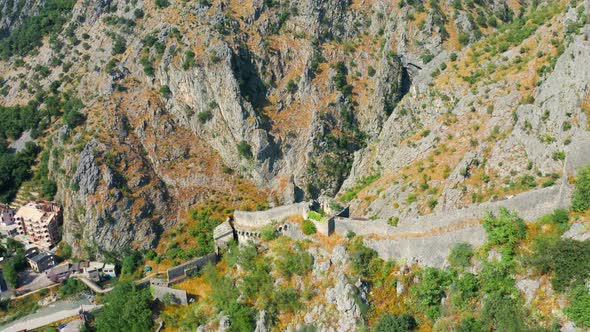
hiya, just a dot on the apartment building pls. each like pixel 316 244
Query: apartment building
pixel 38 222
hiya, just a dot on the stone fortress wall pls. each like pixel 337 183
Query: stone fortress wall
pixel 428 239
pixel 249 224
pixel 257 219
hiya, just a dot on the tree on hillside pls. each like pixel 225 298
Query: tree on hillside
pixel 581 199
pixel 126 308
pixel 504 229
pixel 393 323
pixel 10 274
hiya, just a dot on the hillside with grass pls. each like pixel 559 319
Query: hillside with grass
pixel 457 127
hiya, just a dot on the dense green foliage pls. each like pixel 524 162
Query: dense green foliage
pixel 130 263
pixel 464 289
pixel 30 33
pixel 393 323
pixel 15 169
pixel 362 258
pixel 504 230
pixel 568 259
pixel 308 227
pixel 291 261
pixel 71 287
pixel 258 285
pixel 581 199
pixel 460 255
pixel 245 150
pixel 268 233
pixel 579 308
pixel 17 119
pixel 428 293
pixel 126 308
pixel 10 274
pixel 14 254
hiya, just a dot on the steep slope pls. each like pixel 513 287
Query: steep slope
pixel 190 100
pixel 508 115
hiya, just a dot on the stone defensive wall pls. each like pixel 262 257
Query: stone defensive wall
pixel 183 270
pixel 428 239
pixel 255 220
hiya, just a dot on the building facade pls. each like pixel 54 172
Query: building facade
pixel 6 215
pixel 38 222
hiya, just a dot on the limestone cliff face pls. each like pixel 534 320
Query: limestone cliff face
pixel 296 99
pixel 452 142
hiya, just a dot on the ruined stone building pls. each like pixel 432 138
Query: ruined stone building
pixel 38 223
pixel 248 225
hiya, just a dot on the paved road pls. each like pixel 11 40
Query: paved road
pixel 96 288
pixel 52 313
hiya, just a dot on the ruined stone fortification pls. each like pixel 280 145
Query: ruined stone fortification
pixel 254 220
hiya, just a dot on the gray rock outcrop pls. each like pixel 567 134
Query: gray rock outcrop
pixel 87 172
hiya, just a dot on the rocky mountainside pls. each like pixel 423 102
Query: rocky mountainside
pixel 400 108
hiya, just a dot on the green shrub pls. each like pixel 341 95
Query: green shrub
pixel 503 313
pixel 295 261
pixel 73 119
pixel 460 255
pixel 428 293
pixel 560 216
pixel 245 150
pixel 393 221
pixel 411 198
pixel 125 300
pixel 569 260
pixel 505 229
pixel 165 91
pixel 558 155
pixel 308 227
pixel 291 86
pixel 464 289
pixel 10 273
pixel 268 233
pixel 71 287
pixel 189 60
pixel 579 308
pixel 464 38
pixel 161 3
pixel 313 215
pixel 204 116
pixel 581 198
pixel 361 257
pixel 393 323
pixel 119 46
